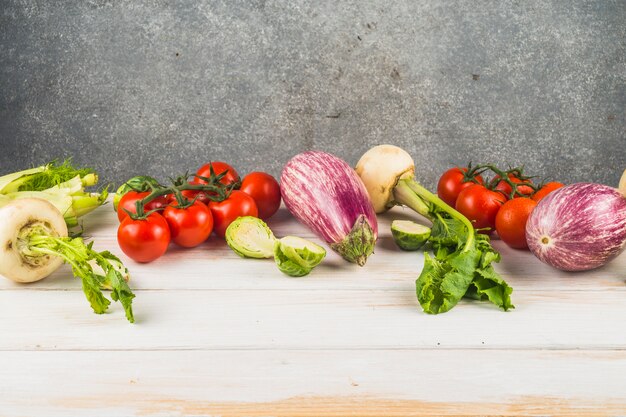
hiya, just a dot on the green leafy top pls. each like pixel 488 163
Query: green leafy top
pixel 462 261
pixel 53 174
pixel 457 270
pixel 97 270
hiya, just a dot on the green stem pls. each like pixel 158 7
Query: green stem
pixel 412 194
pixel 81 258
pixel 89 179
pixel 84 204
pixel 220 191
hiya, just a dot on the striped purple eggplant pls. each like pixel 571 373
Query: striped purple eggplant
pixel 578 227
pixel 326 194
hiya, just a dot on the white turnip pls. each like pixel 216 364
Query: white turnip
pixel 34 242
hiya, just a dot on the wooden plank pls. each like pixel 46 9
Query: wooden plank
pixel 313 383
pixel 214 266
pixel 302 319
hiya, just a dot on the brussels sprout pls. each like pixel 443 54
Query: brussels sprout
pixel 140 183
pixel 296 257
pixel 409 235
pixel 249 237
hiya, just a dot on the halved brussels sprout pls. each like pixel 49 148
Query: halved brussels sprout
pixel 296 257
pixel 409 235
pixel 249 237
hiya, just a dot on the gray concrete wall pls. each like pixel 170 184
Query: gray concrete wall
pixel 158 87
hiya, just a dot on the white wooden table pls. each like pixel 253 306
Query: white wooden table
pixel 223 336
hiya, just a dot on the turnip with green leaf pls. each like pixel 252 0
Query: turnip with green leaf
pixel 34 243
pixel 461 265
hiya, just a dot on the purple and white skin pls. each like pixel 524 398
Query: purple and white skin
pixel 578 227
pixel 326 194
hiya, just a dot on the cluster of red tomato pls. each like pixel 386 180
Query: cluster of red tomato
pixel 494 205
pixel 147 238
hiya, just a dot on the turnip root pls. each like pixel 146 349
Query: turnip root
pixel 380 169
pixel 622 184
pixel 34 243
pixel 19 218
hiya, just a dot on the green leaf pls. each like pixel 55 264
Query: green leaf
pixel 443 283
pixel 91 288
pixel 447 233
pixel 96 270
pixel 53 175
pixel 458 272
pixel 489 286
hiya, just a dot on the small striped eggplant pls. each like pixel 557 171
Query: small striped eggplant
pixel 327 195
pixel 578 227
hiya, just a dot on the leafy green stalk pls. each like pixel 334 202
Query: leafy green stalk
pixel 96 270
pixel 62 185
pixel 462 260
pixel 45 177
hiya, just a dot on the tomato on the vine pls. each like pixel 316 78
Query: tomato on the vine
pixel 202 196
pixel 189 226
pixel 144 240
pixel 230 177
pixel 480 205
pixel 225 212
pixel 506 189
pixel 511 221
pixel 265 191
pixel 128 200
pixel 546 189
pixel 451 184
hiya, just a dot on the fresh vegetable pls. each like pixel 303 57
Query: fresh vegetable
pixel 140 184
pixel 578 227
pixel 511 221
pixel 546 189
pixel 453 181
pixel 525 189
pixel 265 191
pixel 325 193
pixel 228 174
pixel 462 262
pixel 198 195
pixel 622 184
pixel 34 243
pixel 62 185
pixel 250 237
pixel 128 203
pixel 409 235
pixel 297 257
pixel 480 205
pixel 190 224
pixel 225 212
pixel 144 239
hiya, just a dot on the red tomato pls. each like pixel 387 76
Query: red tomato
pixel 451 184
pixel 189 226
pixel 480 205
pixel 505 188
pixel 129 199
pixel 144 240
pixel 546 189
pixel 511 221
pixel 265 191
pixel 225 212
pixel 191 194
pixel 218 167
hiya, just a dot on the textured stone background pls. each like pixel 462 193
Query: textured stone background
pixel 149 86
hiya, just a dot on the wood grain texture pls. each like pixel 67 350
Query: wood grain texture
pixel 223 336
pixel 314 383
pixel 322 319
